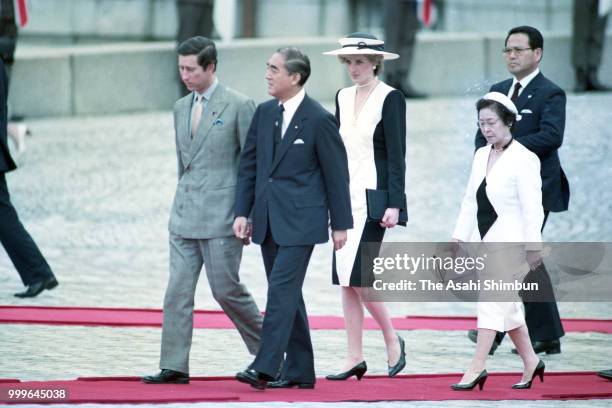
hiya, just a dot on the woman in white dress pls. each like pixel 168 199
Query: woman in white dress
pixel 502 203
pixel 372 118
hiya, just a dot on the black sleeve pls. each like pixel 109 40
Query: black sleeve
pixel 394 127
pixel 3 103
pixel 338 109
pixel 247 171
pixel 549 137
pixel 334 168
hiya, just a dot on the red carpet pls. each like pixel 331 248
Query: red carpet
pixel 203 319
pixel 432 387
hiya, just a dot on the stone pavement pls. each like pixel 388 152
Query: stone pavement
pixel 95 193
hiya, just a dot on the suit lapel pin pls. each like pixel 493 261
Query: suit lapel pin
pixel 528 96
pixel 296 126
pixel 276 123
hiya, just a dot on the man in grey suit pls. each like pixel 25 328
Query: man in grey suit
pixel 211 125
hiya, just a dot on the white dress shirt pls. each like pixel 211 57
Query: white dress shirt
pixel 291 106
pixel 524 82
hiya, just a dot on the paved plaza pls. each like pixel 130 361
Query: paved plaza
pixel 95 193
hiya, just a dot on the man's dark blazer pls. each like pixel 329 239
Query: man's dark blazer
pixel 298 189
pixel 542 107
pixel 6 162
pixel 17 242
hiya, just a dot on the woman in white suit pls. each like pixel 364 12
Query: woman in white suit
pixel 502 204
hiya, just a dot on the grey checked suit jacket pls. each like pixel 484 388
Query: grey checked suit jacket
pixel 203 205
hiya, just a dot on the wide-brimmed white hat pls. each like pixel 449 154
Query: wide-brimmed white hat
pixel 362 44
pixel 504 100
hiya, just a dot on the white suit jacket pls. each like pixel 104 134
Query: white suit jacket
pixel 514 188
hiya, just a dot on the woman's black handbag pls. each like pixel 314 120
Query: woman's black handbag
pixel 377 202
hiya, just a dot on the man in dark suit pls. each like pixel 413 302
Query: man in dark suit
pixel 292 179
pixel 541 104
pixel 588 37
pixel 195 18
pixel 35 273
pixel 401 25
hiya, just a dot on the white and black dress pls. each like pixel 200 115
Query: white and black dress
pixel 375 142
pixel 504 205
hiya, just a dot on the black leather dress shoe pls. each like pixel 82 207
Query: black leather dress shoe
pixel 167 377
pixel 34 289
pixel 607 374
pixel 473 335
pixel 548 347
pixel 254 378
pixel 290 384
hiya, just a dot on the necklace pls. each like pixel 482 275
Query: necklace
pixel 504 147
pixel 358 108
pixel 368 84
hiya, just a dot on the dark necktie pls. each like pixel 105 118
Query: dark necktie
pixel 515 95
pixel 278 126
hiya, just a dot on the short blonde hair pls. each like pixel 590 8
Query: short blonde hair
pixel 375 59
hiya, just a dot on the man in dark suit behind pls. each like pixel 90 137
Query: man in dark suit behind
pixel 292 179
pixel 588 40
pixel 195 18
pixel 35 273
pixel 541 104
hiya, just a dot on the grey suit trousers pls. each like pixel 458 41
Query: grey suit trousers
pixel 221 258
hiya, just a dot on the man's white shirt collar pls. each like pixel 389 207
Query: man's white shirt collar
pixel 524 82
pixel 291 106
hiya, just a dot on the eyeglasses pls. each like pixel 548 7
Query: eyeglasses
pixel 516 50
pixel 483 125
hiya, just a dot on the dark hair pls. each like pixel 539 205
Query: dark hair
pixel 504 113
pixel 296 62
pixel 202 47
pixel 375 59
pixel 535 37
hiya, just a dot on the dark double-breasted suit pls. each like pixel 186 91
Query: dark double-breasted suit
pixel 542 108
pixel 293 192
pixel 6 162
pixel 17 242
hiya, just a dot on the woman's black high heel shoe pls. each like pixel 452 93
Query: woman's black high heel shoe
pixel 358 371
pixel 480 381
pixel 401 363
pixel 539 371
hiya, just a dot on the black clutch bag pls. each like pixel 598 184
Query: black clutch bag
pixel 377 202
